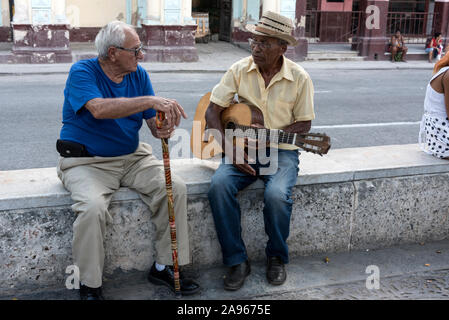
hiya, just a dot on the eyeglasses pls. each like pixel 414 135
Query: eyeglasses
pixel 262 45
pixel 136 50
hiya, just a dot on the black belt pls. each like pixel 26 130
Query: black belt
pixel 69 149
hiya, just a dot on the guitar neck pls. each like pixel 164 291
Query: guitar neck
pixel 276 136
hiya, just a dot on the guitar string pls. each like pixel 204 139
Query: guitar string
pixel 283 137
pixel 260 133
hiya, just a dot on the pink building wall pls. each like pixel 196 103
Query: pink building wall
pixel 323 5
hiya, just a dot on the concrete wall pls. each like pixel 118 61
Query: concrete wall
pixel 4 13
pixel 87 13
pixel 361 198
pixel 245 12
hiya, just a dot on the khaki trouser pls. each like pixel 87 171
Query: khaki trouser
pixel 92 181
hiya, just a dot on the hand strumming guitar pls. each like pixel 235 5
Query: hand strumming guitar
pixel 213 119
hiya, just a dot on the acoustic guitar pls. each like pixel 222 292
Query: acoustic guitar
pixel 241 116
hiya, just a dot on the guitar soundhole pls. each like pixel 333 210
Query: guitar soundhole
pixel 230 125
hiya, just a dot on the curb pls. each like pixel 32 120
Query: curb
pixel 150 70
pixel 4 74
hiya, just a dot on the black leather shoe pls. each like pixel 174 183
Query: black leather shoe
pixel 236 276
pixel 166 277
pixel 87 293
pixel 276 273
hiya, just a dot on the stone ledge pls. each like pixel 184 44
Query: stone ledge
pixel 350 199
pixel 33 188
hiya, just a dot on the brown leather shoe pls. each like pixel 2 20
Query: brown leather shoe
pixel 276 273
pixel 236 276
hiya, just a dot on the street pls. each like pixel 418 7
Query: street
pixel 356 108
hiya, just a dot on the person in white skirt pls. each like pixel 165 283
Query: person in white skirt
pixel 434 129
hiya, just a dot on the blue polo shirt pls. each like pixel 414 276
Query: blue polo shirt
pixel 102 137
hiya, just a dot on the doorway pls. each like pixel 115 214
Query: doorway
pixel 218 14
pixel 11 9
pixel 225 20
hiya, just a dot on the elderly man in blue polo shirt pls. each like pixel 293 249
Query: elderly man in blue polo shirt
pixel 106 100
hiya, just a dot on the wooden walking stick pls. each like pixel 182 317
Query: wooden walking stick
pixel 160 117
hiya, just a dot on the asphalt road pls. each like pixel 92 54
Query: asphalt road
pixel 356 108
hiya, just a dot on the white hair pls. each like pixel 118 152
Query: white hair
pixel 112 34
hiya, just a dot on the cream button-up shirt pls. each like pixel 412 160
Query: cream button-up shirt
pixel 288 97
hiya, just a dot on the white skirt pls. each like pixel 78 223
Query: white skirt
pixel 434 135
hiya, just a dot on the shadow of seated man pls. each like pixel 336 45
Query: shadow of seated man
pixel 398 48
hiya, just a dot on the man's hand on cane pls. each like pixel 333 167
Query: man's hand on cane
pixel 163 132
pixel 171 109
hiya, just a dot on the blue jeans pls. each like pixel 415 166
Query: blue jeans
pixel 228 181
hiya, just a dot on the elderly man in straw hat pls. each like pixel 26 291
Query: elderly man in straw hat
pixel 283 91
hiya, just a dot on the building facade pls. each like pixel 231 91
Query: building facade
pixel 42 30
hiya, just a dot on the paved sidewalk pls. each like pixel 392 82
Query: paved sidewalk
pixel 417 271
pixel 213 57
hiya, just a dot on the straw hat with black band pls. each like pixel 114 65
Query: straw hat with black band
pixel 274 25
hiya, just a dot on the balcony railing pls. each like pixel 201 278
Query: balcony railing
pixel 412 24
pixel 343 27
